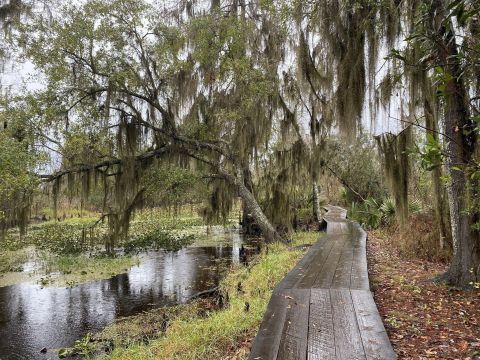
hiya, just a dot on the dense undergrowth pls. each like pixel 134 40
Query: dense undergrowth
pixel 206 329
pixel 418 238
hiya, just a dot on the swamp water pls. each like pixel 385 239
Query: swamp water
pixel 32 318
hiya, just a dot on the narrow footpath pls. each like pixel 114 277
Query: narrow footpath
pixel 323 308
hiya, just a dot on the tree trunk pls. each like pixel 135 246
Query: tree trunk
pixel 438 190
pixel 465 266
pixel 253 208
pixel 440 209
pixel 247 220
pixel 317 213
pixel 251 204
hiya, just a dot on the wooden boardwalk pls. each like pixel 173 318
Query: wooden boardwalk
pixel 323 308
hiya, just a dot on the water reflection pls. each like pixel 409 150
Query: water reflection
pixel 32 318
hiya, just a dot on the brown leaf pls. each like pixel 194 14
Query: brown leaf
pixel 463 345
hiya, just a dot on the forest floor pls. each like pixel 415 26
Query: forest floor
pixel 424 319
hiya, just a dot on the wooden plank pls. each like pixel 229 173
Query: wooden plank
pixel 359 276
pixel 317 264
pixel 298 308
pixel 325 277
pixel 338 227
pixel 363 237
pixel 343 272
pixel 265 348
pixel 336 212
pixel 321 338
pixel 374 337
pixel 348 341
pixel 299 271
pixel 292 348
pixel 293 344
pixel 266 343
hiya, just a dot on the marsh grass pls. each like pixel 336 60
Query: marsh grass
pixel 60 253
pixel 13 260
pixel 61 270
pixel 69 270
pixel 223 333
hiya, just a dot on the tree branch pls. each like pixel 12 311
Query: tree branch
pixel 103 164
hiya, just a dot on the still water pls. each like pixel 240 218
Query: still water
pixel 32 318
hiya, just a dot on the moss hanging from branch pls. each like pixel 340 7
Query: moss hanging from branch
pixel 394 152
pixel 287 171
pixel 220 202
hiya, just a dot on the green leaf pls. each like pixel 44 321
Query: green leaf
pixel 63 353
pixel 395 54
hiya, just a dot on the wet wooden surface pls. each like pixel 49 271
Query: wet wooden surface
pixel 323 308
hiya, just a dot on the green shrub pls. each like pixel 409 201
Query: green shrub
pixel 372 213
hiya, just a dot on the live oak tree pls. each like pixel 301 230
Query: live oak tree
pixel 17 181
pixel 129 87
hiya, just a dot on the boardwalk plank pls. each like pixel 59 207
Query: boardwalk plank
pixel 321 339
pixel 359 279
pixel 292 348
pixel 343 272
pixel 348 342
pixel 298 308
pixel 317 265
pixel 299 271
pixel 266 343
pixel 359 276
pixel 293 344
pixel 374 337
pixel 325 277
